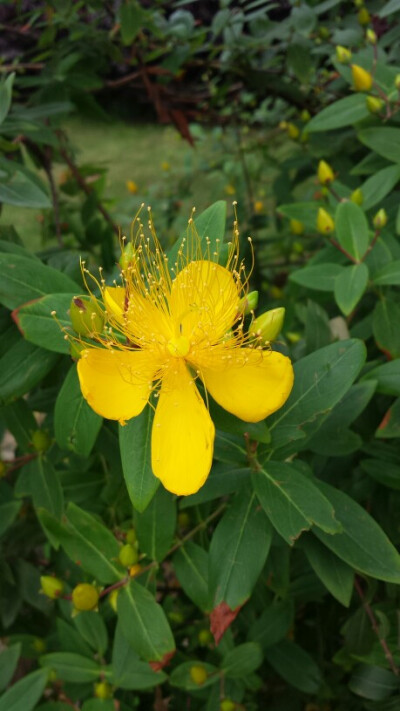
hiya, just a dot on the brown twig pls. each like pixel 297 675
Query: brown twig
pixel 375 627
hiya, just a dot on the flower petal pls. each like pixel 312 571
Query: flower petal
pixel 204 301
pixel 183 433
pixel 144 319
pixel 249 383
pixel 116 384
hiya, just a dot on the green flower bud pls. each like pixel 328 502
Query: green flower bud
pixel 325 223
pixel 324 32
pixel 296 227
pixel 131 536
pixel 176 617
pixel 380 219
pixel 128 555
pixel 3 469
pixel 103 690
pixel 51 587
pixel 227 705
pixel 325 173
pixel 343 54
pixel 205 637
pixel 85 597
pixel 397 81
pixel 268 326
pixel 364 18
pixel 40 440
pixel 112 599
pixel 371 36
pixel 248 303
pixel 374 104
pixel 357 196
pixel 293 131
pixel 127 256
pixel 183 519
pixel 305 116
pixel 86 315
pixel 39 645
pixel 361 78
pixel 198 674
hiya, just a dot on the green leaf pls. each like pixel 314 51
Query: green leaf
pixel 97 705
pixel 144 623
pixel 385 320
pixel 321 380
pixel 238 551
pixel 242 660
pixel 291 501
pixel 352 229
pixel 321 277
pixel 384 140
pixel 191 568
pixel 362 544
pixel 350 285
pixel 390 425
pixel 389 8
pixel 92 628
pixel 131 18
pixel 372 682
pixel 387 377
pixel 336 575
pixel 295 665
pixel 181 677
pixel 25 693
pixel 5 96
pixel 23 279
pixel 345 112
pixel 21 368
pixel 385 473
pixel 8 509
pixel 38 326
pixel 72 667
pixel 20 191
pixel 8 661
pixel 39 480
pixel 274 623
pixel 210 225
pixel 128 671
pixel 223 480
pixel 20 421
pixel 305 212
pixel 389 275
pixel 155 527
pixel 135 448
pixel 376 187
pixel 70 640
pixel 76 425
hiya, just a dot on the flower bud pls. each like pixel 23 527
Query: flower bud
pixel 325 223
pixel 51 587
pixel 380 219
pixel 324 32
pixel 343 54
pixel 86 315
pixel 258 206
pixel 103 690
pixel 135 570
pixel 183 519
pixel 357 196
pixel 112 599
pixel 40 441
pixel 305 116
pixel 131 536
pixel 374 104
pixel 361 78
pixel 85 597
pixel 198 674
pixel 371 36
pixel 397 81
pixel 39 645
pixel 283 125
pixel 128 555
pixel 3 469
pixel 165 166
pixel 296 227
pixel 227 705
pixel 176 617
pixel 248 303
pixel 131 186
pixel 364 18
pixel 268 326
pixel 325 173
pixel 293 131
pixel 127 256
pixel 205 637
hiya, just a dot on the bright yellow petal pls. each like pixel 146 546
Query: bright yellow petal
pixel 249 383
pixel 204 301
pixel 116 384
pixel 183 433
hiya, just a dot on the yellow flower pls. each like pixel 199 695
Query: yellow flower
pixel 132 187
pixel 361 78
pixel 170 325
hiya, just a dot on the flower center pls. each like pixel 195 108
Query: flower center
pixel 178 347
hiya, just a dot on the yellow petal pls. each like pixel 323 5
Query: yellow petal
pixel 183 433
pixel 116 384
pixel 204 301
pixel 249 383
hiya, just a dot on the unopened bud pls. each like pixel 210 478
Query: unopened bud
pixel 205 638
pixel 374 104
pixel 248 303
pixel 198 674
pixel 51 587
pixel 397 81
pixel 380 219
pixel 293 131
pixel 325 223
pixel 86 315
pixel 128 555
pixel 364 18
pixel 103 690
pixel 135 570
pixel 112 599
pixel 324 32
pixel 131 187
pixel 39 645
pixel 371 36
pixel 325 173
pixel 85 597
pixel 127 256
pixel 268 326
pixel 296 227
pixel 227 705
pixel 305 116
pixel 131 536
pixel 40 440
pixel 183 520
pixel 343 54
pixel 361 78
pixel 283 125
pixel 3 469
pixel 357 196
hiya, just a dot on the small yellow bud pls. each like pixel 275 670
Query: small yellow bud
pixel 364 18
pixel 227 705
pixel 176 617
pixel 293 131
pixel 165 166
pixel 359 3
pixel 283 125
pixel 131 536
pixel 380 219
pixel 248 303
pixel 296 227
pixel 371 36
pixel 183 519
pixel 128 555
pixel 135 570
pixel 198 674
pixel 230 189
pixel 205 637
pixel 112 599
pixel 103 690
pixel 374 104
pixel 325 173
pixel 343 54
pixel 357 196
pixel 293 336
pixel 268 326
pixel 258 206
pixel 40 440
pixel 325 223
pixel 361 78
pixel 397 81
pixel 3 469
pixel 85 597
pixel 51 587
pixel 131 186
pixel 127 256
pixel 86 315
pixel 305 116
